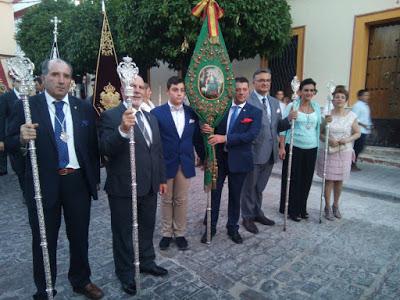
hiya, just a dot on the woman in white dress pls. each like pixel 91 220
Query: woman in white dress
pixel 343 131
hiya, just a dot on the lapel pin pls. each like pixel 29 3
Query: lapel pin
pixel 75 107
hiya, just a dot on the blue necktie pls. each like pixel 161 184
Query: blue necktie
pixel 62 147
pixel 234 116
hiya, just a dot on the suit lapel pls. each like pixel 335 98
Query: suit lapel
pixel 187 120
pixel 45 117
pixel 170 120
pixel 75 109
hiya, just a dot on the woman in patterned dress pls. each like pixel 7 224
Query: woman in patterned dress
pixel 343 131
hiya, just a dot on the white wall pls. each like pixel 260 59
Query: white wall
pixel 329 36
pixel 7 39
pixel 158 82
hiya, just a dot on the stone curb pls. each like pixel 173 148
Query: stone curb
pixel 361 190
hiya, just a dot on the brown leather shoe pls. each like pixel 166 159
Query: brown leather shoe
pixel 250 226
pixel 90 291
pixel 264 220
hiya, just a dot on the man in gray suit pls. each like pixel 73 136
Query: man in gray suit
pixel 150 178
pixel 265 150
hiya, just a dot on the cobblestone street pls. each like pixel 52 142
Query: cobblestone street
pixel 357 257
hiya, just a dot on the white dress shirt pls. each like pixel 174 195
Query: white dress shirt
pixel 73 160
pixel 260 97
pixel 178 115
pixel 239 109
pixel 145 122
pixel 363 113
pixel 147 106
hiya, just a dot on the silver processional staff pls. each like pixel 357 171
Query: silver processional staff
pixel 331 88
pixel 21 68
pixel 127 72
pixel 295 84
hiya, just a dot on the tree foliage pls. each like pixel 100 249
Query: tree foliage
pixel 153 30
pixel 35 31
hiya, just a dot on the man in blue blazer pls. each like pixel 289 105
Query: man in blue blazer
pixel 179 129
pixel 233 139
pixel 64 130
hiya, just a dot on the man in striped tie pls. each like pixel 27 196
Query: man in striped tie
pixel 115 125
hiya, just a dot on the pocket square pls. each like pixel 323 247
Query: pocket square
pixel 246 121
pixel 84 123
pixel 191 121
pixel 278 110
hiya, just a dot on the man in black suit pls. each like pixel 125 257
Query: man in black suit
pixel 150 177
pixel 64 131
pixel 7 104
pixel 233 139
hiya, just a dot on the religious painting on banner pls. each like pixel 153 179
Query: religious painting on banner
pixel 210 80
pixel 107 85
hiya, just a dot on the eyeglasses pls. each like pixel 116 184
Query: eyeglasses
pixel 263 80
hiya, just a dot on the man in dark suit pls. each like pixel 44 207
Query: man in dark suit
pixel 64 131
pixel 179 127
pixel 265 150
pixel 150 178
pixel 7 104
pixel 233 139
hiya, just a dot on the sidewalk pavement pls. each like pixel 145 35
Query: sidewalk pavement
pixel 356 257
pixel 381 182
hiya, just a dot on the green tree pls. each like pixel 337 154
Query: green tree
pixel 35 32
pixel 78 38
pixel 154 30
pixel 83 39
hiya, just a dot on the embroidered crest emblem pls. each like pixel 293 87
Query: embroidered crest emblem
pixel 109 98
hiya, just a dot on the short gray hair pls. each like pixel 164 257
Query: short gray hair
pixel 259 71
pixel 46 63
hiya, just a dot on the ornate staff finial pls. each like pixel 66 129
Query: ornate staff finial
pixel 295 84
pixel 127 72
pixel 331 87
pixel 54 50
pixel 21 69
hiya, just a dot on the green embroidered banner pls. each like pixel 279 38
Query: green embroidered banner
pixel 210 88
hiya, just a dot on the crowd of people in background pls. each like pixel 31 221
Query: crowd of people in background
pixel 254 134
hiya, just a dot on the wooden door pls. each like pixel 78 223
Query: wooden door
pixel 383 83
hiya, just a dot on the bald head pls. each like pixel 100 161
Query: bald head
pixel 57 75
pixel 138 92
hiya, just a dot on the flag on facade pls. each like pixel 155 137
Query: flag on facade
pixel 210 80
pixel 107 85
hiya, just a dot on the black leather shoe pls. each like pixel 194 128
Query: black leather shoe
pixel 164 243
pixel 304 215
pixel 129 288
pixel 235 236
pixel 204 237
pixel 90 291
pixel 295 218
pixel 182 243
pixel 264 220
pixel 250 226
pixel 154 270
